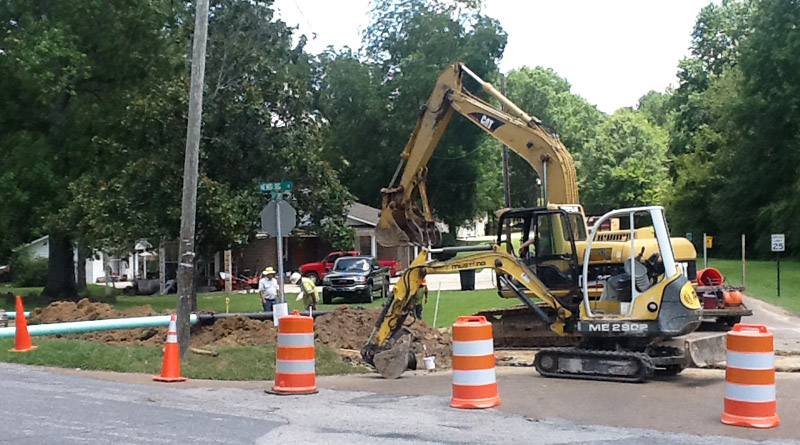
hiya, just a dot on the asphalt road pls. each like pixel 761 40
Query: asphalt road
pixel 691 402
pixel 41 406
pixel 784 326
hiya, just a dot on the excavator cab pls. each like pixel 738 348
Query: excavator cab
pixel 544 239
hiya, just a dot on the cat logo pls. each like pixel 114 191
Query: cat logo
pixel 487 122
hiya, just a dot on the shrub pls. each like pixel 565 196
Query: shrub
pixel 27 271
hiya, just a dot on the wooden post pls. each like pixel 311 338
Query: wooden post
pixel 228 272
pixel 162 269
pixel 187 256
pixel 705 251
pixel 744 275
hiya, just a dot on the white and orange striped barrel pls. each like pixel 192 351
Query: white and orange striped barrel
pixel 474 378
pixel 750 398
pixel 295 370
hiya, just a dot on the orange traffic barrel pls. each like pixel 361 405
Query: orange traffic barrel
pixel 474 378
pixel 750 378
pixel 295 370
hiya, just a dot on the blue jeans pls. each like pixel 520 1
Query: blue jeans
pixel 268 305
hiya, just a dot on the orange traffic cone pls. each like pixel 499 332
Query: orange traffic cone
pixel 171 367
pixel 22 339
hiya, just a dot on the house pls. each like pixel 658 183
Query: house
pixel 306 247
pixel 122 268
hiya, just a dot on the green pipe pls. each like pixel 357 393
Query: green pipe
pixel 12 315
pixel 75 327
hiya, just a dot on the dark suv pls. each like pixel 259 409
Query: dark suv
pixel 357 279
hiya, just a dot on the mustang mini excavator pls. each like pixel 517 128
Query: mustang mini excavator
pixel 619 334
pixel 614 302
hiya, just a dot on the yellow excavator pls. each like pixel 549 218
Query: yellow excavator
pixel 616 300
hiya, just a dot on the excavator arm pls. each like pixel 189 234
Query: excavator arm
pixel 406 216
pixel 388 351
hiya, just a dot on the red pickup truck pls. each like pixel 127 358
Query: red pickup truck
pixel 316 271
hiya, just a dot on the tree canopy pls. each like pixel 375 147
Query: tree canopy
pixel 372 98
pixel 95 126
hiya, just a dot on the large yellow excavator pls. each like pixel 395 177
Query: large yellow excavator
pixel 617 299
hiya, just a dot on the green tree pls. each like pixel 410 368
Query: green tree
pixel 625 165
pixel 655 107
pixel 371 101
pixel 548 96
pixel 760 160
pixel 65 75
pixel 103 115
pixel 259 124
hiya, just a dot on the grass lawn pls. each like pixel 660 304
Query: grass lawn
pixel 92 290
pixel 451 304
pixel 233 363
pixel 762 280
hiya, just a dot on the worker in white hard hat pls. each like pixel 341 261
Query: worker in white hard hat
pixel 268 288
pixel 308 291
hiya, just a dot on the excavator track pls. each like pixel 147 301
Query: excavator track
pixel 594 364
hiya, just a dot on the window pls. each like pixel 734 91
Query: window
pixel 352 264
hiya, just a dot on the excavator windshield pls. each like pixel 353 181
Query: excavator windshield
pixel 544 239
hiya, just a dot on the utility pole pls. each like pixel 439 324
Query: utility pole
pixel 506 183
pixel 186 257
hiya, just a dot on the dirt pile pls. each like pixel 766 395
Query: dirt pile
pixel 128 337
pixel 344 328
pixel 61 311
pixel 235 331
pixel 349 328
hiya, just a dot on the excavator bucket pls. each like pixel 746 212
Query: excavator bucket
pixel 388 233
pixel 392 362
pixel 398 227
pixel 704 350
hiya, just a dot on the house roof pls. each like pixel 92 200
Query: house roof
pixel 363 215
pixel 358 215
pixel 36 241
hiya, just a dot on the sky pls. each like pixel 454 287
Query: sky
pixel 612 51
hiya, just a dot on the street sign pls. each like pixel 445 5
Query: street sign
pixel 278 218
pixel 778 242
pixel 275 189
pixel 709 241
pixel 689 236
pixel 288 218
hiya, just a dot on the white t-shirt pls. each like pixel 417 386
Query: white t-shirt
pixel 269 287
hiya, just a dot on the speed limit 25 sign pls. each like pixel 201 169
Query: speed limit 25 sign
pixel 778 242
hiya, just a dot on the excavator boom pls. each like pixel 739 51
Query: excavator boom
pixel 406 217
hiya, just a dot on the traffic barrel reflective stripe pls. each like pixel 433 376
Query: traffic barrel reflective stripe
pixel 750 396
pixel 295 339
pixel 474 377
pixel 295 367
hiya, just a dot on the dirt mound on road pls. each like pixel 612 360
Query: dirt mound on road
pixel 349 328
